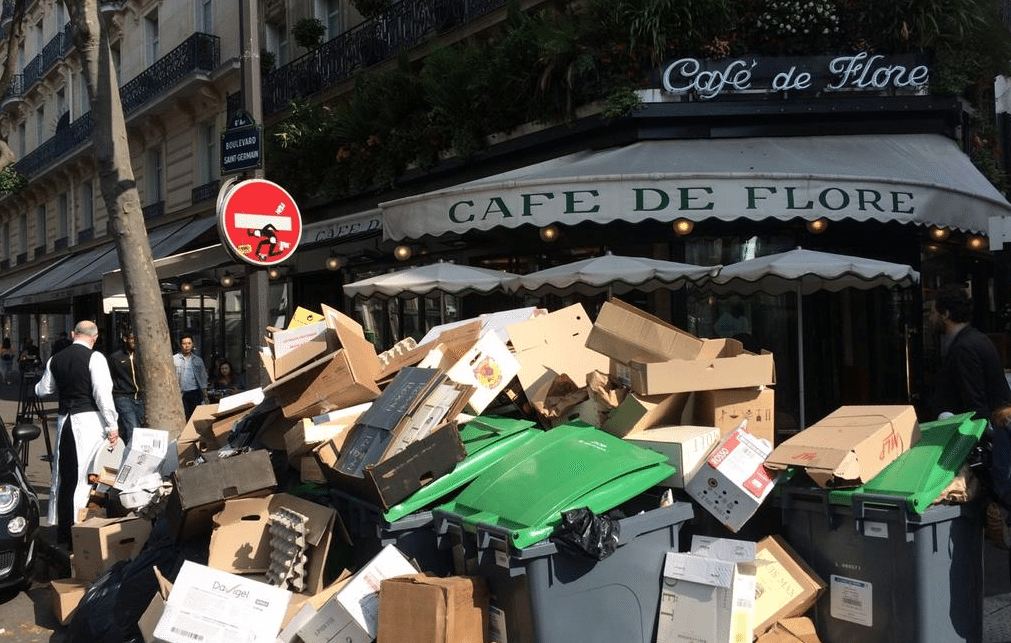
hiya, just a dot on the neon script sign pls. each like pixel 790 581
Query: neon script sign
pixel 709 79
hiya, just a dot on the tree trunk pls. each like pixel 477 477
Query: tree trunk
pixel 162 397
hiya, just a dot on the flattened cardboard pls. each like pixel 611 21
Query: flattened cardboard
pixel 457 338
pixel 725 408
pixel 294 347
pixel 851 445
pixel 686 448
pixel 307 435
pixel 721 364
pixel 791 630
pixel 394 479
pixel 100 542
pixel 202 433
pixel 626 333
pixel 144 456
pixel 638 413
pixel 787 586
pixel 548 346
pixel 699 598
pixel 427 609
pixel 303 317
pixel 67 595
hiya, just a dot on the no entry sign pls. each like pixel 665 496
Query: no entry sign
pixel 259 222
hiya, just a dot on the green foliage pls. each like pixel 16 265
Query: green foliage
pixel 371 8
pixel 11 181
pixel 308 33
pixel 267 61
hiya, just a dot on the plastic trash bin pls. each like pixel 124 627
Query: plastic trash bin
pixel 543 593
pixel 408 524
pixel 897 569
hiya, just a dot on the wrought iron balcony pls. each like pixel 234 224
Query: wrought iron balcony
pixel 199 52
pixel 205 192
pixel 8 12
pixel 54 51
pixel 154 210
pixel 16 89
pixel 86 234
pixel 62 142
pixel 406 24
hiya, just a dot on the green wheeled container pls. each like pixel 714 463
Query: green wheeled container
pixel 897 567
pixel 408 524
pixel 542 592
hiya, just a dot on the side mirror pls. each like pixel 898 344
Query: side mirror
pixel 25 433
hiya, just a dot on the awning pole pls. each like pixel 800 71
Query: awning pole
pixel 800 354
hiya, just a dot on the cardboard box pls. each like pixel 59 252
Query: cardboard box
pixel 213 606
pixel 306 435
pixel 343 378
pixel 149 619
pixel 791 630
pixel 304 316
pixel 705 600
pixel 200 491
pixel 100 542
pixel 786 585
pixel 488 366
pixel 686 448
pixel 427 609
pixel 638 413
pixel 294 347
pixel 352 614
pixel 203 433
pixel 625 334
pixel 721 364
pixel 725 408
pixel 67 594
pixel 301 609
pixel 456 338
pixel 310 471
pixel 496 323
pixel 851 445
pixel 733 482
pixel 146 455
pixel 552 345
pixel 240 541
pixel 107 462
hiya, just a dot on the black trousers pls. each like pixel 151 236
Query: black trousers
pixel 191 400
pixel 67 468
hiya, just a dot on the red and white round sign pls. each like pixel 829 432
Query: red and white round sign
pixel 259 223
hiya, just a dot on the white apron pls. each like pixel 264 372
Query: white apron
pixel 88 431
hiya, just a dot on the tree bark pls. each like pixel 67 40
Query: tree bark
pixel 162 397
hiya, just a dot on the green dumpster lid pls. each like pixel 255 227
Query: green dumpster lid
pixel 487 439
pixel 570 466
pixel 921 473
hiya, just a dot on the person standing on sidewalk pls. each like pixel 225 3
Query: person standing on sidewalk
pixel 126 392
pixel 6 360
pixel 192 375
pixel 87 418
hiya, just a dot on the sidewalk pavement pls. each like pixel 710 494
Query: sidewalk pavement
pixel 996 581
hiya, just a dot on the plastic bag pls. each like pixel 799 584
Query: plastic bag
pixel 94 619
pixel 587 533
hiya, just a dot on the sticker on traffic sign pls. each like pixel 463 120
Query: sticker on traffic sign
pixel 259 222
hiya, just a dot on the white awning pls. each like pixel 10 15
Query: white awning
pixel 114 292
pixel 922 179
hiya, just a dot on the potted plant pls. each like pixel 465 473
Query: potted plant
pixel 267 61
pixel 371 8
pixel 308 33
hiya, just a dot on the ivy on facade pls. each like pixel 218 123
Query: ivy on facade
pixel 543 65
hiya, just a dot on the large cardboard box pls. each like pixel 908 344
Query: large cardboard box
pixel 240 542
pixel 203 432
pixel 427 609
pixel 851 445
pixel 488 366
pixel 725 408
pixel 640 413
pixel 67 594
pixel 554 345
pixel 625 334
pixel 705 600
pixel 146 454
pixel 299 345
pixel 200 491
pixel 352 614
pixel 686 448
pixel 213 606
pixel 100 542
pixel 786 585
pixel 721 364
pixel 733 482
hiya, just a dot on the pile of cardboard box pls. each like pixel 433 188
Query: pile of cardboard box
pixel 381 426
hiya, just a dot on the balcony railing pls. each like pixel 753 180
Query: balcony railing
pixel 154 210
pixel 406 24
pixel 16 89
pixel 54 51
pixel 205 192
pixel 199 52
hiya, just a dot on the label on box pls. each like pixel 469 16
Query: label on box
pixel 737 458
pixel 497 624
pixel 851 600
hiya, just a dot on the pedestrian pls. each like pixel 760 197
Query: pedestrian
pixel 192 375
pixel 6 360
pixel 86 419
pixel 29 357
pixel 126 393
pixel 971 377
pixel 62 341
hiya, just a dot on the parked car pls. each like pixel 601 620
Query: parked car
pixel 19 510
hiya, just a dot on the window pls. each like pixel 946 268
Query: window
pixel 277 42
pixel 61 16
pixel 7 240
pixel 154 176
pixel 151 38
pixel 40 125
pixel 83 104
pixel 332 15
pixel 205 16
pixel 87 205
pixel 39 40
pixel 63 216
pixel 40 226
pixel 22 140
pixel 23 234
pixel 61 105
pixel 207 170
pixel 22 60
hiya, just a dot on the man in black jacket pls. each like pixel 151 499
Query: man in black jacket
pixel 126 386
pixel 972 375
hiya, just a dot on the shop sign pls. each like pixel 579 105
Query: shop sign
pixel 860 72
pixel 259 222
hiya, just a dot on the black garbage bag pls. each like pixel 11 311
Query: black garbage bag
pixel 586 533
pixel 94 620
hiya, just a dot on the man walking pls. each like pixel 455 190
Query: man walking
pixel 79 376
pixel 126 387
pixel 192 375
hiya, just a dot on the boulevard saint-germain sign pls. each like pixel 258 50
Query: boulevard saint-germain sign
pixel 820 75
